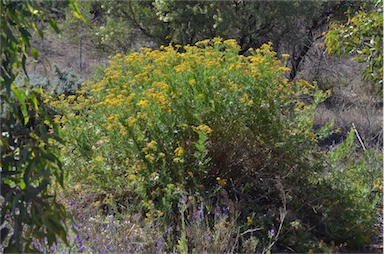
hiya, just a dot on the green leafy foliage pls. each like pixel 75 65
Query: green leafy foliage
pixel 357 189
pixel 30 162
pixel 344 206
pixel 119 26
pixel 362 37
pixel 29 139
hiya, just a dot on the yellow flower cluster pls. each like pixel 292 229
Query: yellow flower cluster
pixel 246 99
pixel 150 146
pixel 204 128
pixel 221 182
pixel 179 151
pixel 148 101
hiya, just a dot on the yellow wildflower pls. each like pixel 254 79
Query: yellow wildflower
pixel 178 160
pixel 285 55
pixel 136 167
pixel 203 42
pixel 232 44
pixel 131 96
pixel 181 68
pixel 141 115
pixel 117 56
pixel 96 203
pixel 203 128
pixel 150 146
pixel 77 187
pixel 108 199
pixel 217 40
pixel 285 69
pixel 192 82
pixel 150 157
pixel 110 127
pixel 143 103
pixel 221 182
pixel 148 217
pixel 131 121
pixel 246 99
pixel 99 159
pixel 179 151
pixel 161 85
pixel 71 98
pixel 311 135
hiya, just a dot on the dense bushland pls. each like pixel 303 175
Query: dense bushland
pixel 166 133
pixel 187 148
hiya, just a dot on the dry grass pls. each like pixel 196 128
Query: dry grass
pixel 352 101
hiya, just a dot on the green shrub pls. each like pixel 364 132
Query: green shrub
pixel 352 194
pixel 64 81
pixel 343 205
pixel 165 123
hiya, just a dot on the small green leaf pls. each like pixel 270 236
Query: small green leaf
pixel 53 24
pixel 35 53
pixel 40 33
pixel 77 15
pixel 35 103
pixel 22 185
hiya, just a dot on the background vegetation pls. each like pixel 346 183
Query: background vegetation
pixel 232 131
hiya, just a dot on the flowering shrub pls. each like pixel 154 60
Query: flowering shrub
pixel 162 123
pixel 177 131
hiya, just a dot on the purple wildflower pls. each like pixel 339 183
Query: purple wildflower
pixel 53 247
pixel 37 244
pixel 160 244
pixel 182 202
pixel 199 213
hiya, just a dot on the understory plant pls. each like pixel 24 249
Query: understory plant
pixel 351 195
